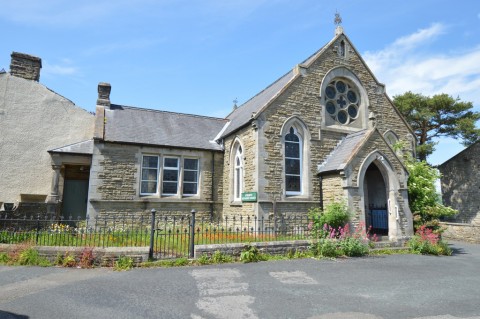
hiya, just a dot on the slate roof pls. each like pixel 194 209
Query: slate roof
pixel 143 126
pixel 341 155
pixel 81 148
pixel 245 112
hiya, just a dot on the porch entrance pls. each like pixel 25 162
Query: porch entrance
pixel 75 191
pixel 376 208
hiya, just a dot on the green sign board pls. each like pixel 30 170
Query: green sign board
pixel 249 197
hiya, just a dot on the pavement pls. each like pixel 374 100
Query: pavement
pixel 394 286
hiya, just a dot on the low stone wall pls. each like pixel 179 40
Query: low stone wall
pixel 102 256
pixel 273 248
pixel 463 232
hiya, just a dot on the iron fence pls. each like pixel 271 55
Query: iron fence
pixel 167 236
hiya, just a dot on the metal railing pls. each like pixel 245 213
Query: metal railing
pixel 167 236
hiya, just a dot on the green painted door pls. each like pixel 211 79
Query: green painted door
pixel 75 195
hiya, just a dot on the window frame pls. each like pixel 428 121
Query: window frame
pixel 238 173
pixel 197 170
pixel 300 160
pixel 149 168
pixel 170 168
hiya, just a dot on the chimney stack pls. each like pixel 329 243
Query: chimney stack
pixel 25 66
pixel 104 94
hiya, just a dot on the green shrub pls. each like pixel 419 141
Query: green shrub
pixel 426 241
pixel 326 247
pixel 251 254
pixel 69 260
pixel 424 201
pixel 31 257
pixel 219 258
pixel 204 259
pixel 4 258
pixel 123 263
pixel 353 247
pixel 334 215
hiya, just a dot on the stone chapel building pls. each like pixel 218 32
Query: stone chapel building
pixel 322 132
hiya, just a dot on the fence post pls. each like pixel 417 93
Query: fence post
pixel 192 234
pixel 37 230
pixel 152 234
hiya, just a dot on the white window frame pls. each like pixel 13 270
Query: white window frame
pixel 238 173
pixel 170 168
pixel 197 170
pixel 149 168
pixel 300 159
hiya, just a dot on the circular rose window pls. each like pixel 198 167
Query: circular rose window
pixel 342 101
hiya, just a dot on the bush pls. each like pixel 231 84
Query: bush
pixel 69 260
pixel 424 201
pixel 86 258
pixel 427 242
pixel 353 247
pixel 334 215
pixel 326 247
pixel 31 257
pixel 251 254
pixel 4 258
pixel 123 263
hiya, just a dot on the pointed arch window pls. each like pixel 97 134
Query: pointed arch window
pixel 293 163
pixel 342 49
pixel 238 174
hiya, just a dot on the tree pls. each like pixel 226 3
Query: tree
pixel 424 201
pixel 438 116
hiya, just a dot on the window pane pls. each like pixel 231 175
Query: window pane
pixel 189 163
pixel 190 176
pixel 291 137
pixel 293 183
pixel 169 187
pixel 170 162
pixel 292 150
pixel 149 188
pixel 292 166
pixel 170 175
pixel 189 188
pixel 150 161
pixel 149 174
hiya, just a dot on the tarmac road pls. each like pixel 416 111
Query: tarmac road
pixel 397 286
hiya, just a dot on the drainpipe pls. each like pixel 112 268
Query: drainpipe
pixel 320 182
pixel 213 185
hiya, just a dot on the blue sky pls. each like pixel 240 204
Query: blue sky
pixel 198 56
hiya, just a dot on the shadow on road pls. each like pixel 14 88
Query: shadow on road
pixel 11 315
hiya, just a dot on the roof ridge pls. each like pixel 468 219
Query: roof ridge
pixel 266 88
pixel 170 112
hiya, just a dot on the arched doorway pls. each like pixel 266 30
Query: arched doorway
pixel 376 200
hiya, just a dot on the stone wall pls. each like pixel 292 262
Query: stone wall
pixel 461 185
pixel 246 136
pixel 273 248
pixel 115 184
pixel 462 232
pixel 104 257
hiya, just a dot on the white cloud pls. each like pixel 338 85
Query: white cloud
pixel 407 65
pixel 59 69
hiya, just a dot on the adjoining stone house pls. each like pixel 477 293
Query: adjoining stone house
pixel 460 183
pixel 322 132
pixel 35 120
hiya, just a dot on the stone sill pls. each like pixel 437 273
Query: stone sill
pixel 155 200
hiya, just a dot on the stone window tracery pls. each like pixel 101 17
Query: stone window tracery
pixel 342 101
